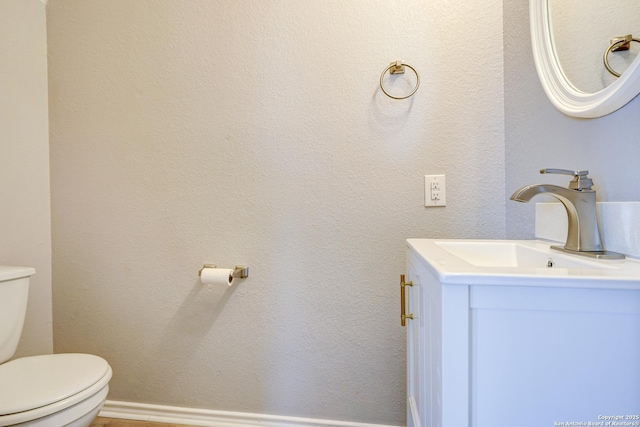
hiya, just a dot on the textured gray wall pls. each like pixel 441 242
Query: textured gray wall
pixel 255 132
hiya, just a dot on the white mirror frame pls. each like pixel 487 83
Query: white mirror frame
pixel 562 94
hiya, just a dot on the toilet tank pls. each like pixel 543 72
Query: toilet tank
pixel 14 290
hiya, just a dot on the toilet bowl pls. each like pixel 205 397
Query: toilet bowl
pixel 52 390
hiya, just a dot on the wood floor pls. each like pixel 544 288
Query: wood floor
pixel 115 422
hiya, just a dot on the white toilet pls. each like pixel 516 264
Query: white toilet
pixel 52 390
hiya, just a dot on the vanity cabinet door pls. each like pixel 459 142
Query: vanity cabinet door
pixel 437 350
pixel 416 336
pixel 424 348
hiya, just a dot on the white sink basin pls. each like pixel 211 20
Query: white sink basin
pixel 494 253
pixel 521 262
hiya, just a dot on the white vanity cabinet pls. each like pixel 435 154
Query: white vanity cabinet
pixel 534 351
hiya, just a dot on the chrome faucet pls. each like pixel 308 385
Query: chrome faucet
pixel 579 200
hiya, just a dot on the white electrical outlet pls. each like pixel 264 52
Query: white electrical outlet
pixel 434 191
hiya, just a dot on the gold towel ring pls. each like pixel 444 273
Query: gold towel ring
pixel 397 67
pixel 617 44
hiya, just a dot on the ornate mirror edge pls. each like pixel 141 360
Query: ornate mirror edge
pixel 562 94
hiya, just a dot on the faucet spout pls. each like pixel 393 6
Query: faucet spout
pixel 583 234
pixel 526 193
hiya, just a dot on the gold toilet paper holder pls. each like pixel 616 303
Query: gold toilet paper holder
pixel 240 271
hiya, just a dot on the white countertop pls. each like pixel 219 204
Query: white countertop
pixel 520 263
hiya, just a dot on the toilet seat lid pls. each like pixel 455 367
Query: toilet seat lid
pixel 32 382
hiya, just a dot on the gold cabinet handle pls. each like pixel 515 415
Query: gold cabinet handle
pixel 403 316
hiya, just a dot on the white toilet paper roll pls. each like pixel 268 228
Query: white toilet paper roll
pixel 216 276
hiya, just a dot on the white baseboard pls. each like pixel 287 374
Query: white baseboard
pixel 205 417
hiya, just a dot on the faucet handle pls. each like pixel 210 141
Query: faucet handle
pixel 565 172
pixel 580 180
